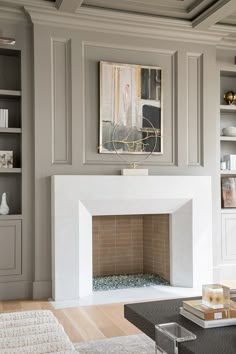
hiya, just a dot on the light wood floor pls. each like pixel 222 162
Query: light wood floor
pixel 82 323
pixel 85 322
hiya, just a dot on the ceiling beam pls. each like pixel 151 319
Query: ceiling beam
pixel 214 14
pixel 68 5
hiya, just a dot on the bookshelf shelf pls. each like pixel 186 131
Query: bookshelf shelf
pixel 10 93
pixel 227 138
pixel 10 130
pixel 10 170
pixel 11 217
pixel 228 211
pixel 228 172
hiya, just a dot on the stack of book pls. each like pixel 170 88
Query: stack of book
pixel 207 317
pixel 3 118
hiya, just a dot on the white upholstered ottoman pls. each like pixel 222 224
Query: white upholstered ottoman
pixel 36 332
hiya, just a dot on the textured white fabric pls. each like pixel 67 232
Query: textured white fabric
pixel 31 332
pixel 10 316
pixel 134 344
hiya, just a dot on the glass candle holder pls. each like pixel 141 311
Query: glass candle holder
pixel 215 296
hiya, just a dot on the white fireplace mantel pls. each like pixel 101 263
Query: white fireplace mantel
pixel 75 199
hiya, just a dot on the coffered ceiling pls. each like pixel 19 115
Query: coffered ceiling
pixel 202 13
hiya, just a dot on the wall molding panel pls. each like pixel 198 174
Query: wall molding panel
pixel 194 101
pixel 10 247
pixel 16 290
pixel 61 101
pixel 228 224
pixel 163 58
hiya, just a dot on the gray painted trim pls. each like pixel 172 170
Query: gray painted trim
pixel 195 146
pixel 61 101
pixel 16 290
pixel 42 289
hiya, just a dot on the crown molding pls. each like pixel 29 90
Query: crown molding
pixel 116 22
pixel 228 40
pixel 125 24
pixel 21 3
pixel 12 15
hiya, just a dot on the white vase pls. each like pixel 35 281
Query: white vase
pixel 4 208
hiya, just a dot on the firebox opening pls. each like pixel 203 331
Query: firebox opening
pixel 130 251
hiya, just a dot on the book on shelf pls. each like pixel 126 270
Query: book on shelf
pixel 230 160
pixel 3 118
pixel 207 324
pixel 206 313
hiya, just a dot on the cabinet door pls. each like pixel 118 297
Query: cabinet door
pixel 10 247
pixel 228 225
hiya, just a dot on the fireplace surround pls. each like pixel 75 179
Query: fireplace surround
pixel 76 198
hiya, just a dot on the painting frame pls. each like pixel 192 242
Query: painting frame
pixel 142 87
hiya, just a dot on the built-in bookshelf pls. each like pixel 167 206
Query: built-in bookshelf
pixel 11 135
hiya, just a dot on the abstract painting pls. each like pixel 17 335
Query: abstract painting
pixel 130 109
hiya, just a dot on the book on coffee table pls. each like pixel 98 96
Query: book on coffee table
pixel 207 323
pixel 206 313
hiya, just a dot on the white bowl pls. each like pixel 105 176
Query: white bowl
pixel 229 131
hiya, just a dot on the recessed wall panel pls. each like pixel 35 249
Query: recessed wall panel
pixel 228 245
pixel 10 247
pixel 194 102
pixel 61 101
pixel 93 53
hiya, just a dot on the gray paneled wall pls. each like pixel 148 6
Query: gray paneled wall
pixel 67 114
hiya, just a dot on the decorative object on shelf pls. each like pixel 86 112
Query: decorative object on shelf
pixel 130 99
pixel 229 131
pixel 6 159
pixel 229 192
pixel 229 97
pixel 4 208
pixel 215 296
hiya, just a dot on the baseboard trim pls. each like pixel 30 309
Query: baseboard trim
pixel 16 290
pixel 42 289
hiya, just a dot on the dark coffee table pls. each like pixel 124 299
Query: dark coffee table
pixel 146 315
